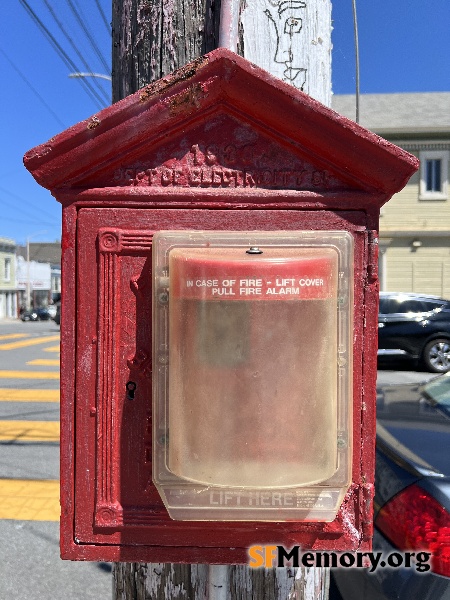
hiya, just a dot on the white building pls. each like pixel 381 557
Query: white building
pixel 37 276
pixel 45 252
pixel 8 294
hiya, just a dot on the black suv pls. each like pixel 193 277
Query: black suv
pixel 415 326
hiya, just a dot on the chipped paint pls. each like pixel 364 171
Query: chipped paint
pixel 160 86
pixel 187 100
pixel 40 151
pixel 93 122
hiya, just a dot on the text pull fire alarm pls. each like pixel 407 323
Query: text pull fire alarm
pixel 252 392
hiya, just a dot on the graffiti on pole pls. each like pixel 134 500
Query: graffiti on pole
pixel 284 17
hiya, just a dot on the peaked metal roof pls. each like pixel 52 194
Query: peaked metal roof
pixel 421 113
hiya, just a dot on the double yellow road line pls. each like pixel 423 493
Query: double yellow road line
pixel 24 499
pixel 28 342
pixel 29 500
pixel 29 431
pixel 9 395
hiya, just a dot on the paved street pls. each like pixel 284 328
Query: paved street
pixel 30 566
pixel 391 371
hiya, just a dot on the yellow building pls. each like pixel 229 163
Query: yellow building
pixel 415 224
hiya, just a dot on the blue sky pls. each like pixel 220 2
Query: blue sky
pixel 404 47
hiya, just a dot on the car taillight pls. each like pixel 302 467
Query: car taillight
pixel 414 520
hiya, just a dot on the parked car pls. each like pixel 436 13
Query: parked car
pixel 417 327
pixel 51 310
pixel 36 314
pixel 57 315
pixel 412 494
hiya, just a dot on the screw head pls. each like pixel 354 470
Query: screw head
pixel 254 250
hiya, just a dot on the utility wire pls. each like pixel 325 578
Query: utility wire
pixel 33 89
pixel 355 26
pixel 82 22
pixel 30 204
pixel 103 16
pixel 34 219
pixel 74 46
pixel 35 222
pixel 63 55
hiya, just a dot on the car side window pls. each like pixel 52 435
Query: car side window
pixel 398 305
pixel 410 306
pixel 384 306
pixel 434 306
pixel 389 306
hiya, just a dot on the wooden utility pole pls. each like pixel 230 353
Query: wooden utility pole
pixel 152 38
pixel 289 38
pixel 292 40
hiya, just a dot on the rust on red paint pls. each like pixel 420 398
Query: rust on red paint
pixel 218 145
pixel 162 85
pixel 286 114
pixel 187 100
pixel 93 122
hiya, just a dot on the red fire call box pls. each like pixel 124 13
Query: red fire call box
pixel 219 322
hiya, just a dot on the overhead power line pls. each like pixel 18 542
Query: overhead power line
pixel 33 89
pixel 32 206
pixel 355 27
pixel 23 222
pixel 75 48
pixel 63 55
pixel 78 14
pixel 33 218
pixel 103 16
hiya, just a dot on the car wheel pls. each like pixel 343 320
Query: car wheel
pixel 436 355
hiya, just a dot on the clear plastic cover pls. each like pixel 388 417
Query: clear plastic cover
pixel 253 391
